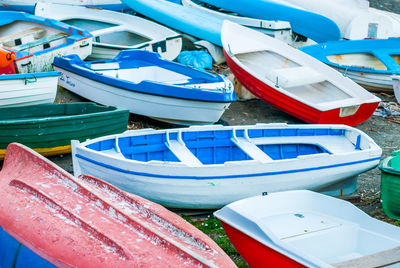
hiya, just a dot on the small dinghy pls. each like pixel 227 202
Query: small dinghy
pixel 49 128
pixel 86 222
pixel 114 31
pixel 147 85
pixel 28 89
pixel 207 167
pixel 370 62
pixel 307 229
pixel 293 81
pixel 36 40
pixel 29 5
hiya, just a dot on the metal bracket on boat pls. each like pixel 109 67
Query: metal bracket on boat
pixel 28 81
pixel 277 82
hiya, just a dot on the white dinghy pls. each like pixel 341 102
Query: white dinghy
pixel 208 167
pixel 113 31
pixel 307 229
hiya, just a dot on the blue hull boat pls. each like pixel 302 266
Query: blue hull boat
pixel 308 24
pixel 369 62
pixel 182 18
pixel 147 85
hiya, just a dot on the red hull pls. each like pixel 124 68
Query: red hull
pixel 294 107
pixel 255 253
pixel 89 223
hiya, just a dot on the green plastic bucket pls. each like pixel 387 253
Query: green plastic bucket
pixel 390 185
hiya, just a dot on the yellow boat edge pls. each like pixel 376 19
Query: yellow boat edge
pixel 45 151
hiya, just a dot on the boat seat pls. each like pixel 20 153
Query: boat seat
pixel 105 66
pixel 380 259
pixel 41 41
pixel 18 38
pixel 183 153
pixel 294 76
pixel 251 149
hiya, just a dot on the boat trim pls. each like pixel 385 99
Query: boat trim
pixel 226 176
pixel 45 151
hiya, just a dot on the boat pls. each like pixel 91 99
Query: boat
pixel 355 18
pixel 293 81
pixel 307 229
pixel 305 23
pixel 277 29
pixel 49 128
pixel 86 222
pixel 143 83
pixel 185 19
pixel 29 5
pixel 370 62
pixel 396 87
pixel 207 167
pixel 27 89
pixel 36 40
pixel 113 31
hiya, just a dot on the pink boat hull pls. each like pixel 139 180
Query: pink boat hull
pixel 85 222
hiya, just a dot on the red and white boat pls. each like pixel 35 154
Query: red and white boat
pixel 86 222
pixel 307 229
pixel 293 81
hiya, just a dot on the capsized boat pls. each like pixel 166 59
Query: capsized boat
pixel 29 5
pixel 370 62
pixel 37 40
pixel 113 31
pixel 147 85
pixel 206 167
pixel 355 18
pixel 49 128
pixel 28 89
pixel 277 29
pixel 182 18
pixel 396 87
pixel 86 222
pixel 303 22
pixel 293 81
pixel 307 229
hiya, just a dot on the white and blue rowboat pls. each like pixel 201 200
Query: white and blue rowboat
pixel 308 229
pixel 143 83
pixel 303 22
pixel 206 167
pixel 28 89
pixel 370 62
pixel 356 20
pixel 37 40
pixel 113 31
pixel 29 5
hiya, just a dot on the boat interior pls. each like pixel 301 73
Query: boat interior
pixel 196 148
pixel 146 73
pixel 361 60
pixel 30 37
pixel 310 230
pixel 109 33
pixel 302 81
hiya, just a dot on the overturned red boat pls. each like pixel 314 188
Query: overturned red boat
pixel 293 81
pixel 86 222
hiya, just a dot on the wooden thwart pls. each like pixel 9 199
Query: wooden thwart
pixel 12 37
pixel 380 259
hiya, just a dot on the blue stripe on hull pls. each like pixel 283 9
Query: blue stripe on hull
pixel 227 176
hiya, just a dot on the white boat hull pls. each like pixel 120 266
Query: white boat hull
pixel 177 184
pixel 43 62
pixel 132 32
pixel 21 92
pixel 171 110
pixel 370 80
